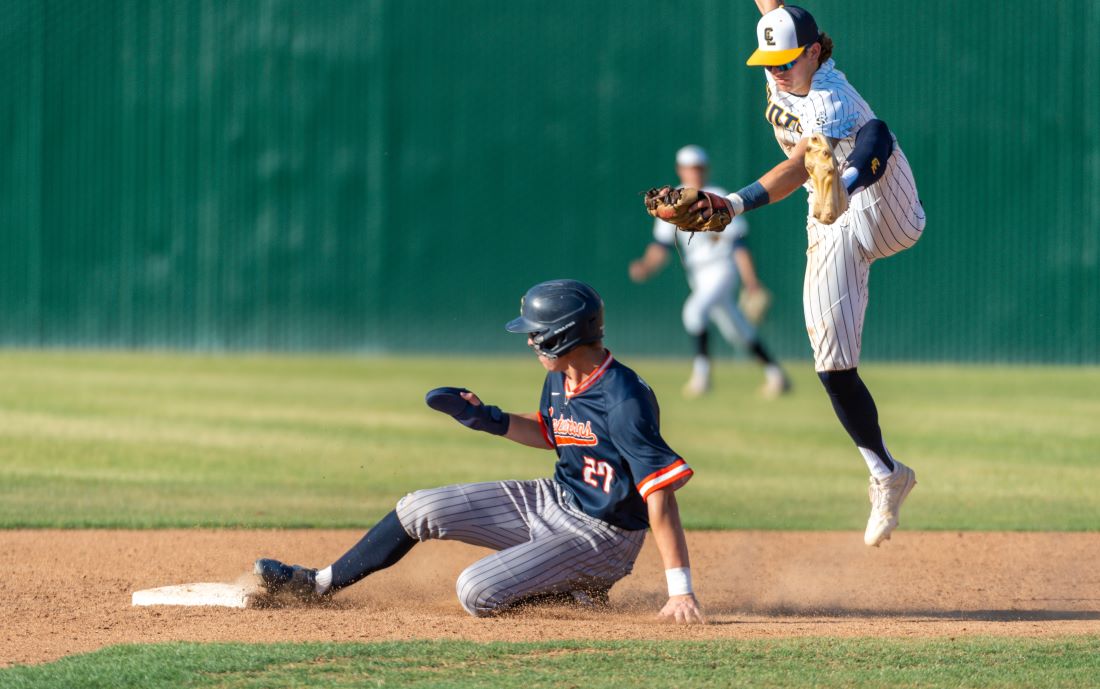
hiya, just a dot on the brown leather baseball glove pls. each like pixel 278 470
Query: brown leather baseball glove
pixel 755 304
pixel 689 209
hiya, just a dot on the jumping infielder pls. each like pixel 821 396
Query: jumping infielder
pixel 571 536
pixel 863 206
pixel 714 265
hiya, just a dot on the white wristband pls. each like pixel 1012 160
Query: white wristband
pixel 679 581
pixel 737 202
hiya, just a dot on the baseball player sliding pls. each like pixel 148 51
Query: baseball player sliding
pixel 863 206
pixel 714 265
pixel 570 537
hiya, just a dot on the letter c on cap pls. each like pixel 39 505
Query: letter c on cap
pixel 768 36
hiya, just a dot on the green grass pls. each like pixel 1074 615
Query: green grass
pixel 897 663
pixel 146 440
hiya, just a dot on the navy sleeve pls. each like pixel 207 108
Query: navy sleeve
pixel 635 431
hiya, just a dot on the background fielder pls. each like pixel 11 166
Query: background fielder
pixel 714 264
pixel 863 206
pixel 573 535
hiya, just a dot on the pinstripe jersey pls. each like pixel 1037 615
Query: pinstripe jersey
pixel 611 455
pixel 831 107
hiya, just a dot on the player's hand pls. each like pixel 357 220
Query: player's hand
pixel 468 410
pixel 709 204
pixel 682 610
pixel 638 272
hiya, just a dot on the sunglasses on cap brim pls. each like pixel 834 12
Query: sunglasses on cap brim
pixel 787 67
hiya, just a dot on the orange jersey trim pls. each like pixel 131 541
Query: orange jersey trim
pixel 545 433
pixel 591 379
pixel 678 471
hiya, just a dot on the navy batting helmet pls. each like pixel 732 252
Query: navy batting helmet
pixel 559 315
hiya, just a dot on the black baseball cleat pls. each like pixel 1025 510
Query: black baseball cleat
pixel 295 580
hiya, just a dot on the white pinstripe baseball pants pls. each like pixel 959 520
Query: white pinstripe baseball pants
pixel 545 544
pixel 882 220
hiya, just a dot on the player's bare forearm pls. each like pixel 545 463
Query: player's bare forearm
pixel 668 533
pixel 783 179
pixel 652 262
pixel 520 428
pixel 766 6
pixel 525 430
pixel 746 267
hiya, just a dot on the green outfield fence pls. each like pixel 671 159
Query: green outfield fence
pixel 389 176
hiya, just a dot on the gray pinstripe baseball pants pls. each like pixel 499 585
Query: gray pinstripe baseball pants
pixel 545 543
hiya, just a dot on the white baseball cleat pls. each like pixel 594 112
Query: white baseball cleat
pixel 830 196
pixel 775 386
pixel 697 386
pixel 886 498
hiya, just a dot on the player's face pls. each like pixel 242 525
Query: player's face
pixel 797 78
pixel 694 176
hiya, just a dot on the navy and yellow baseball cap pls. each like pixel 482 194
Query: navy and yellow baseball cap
pixel 782 35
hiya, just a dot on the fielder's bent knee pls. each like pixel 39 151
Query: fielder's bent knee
pixel 695 320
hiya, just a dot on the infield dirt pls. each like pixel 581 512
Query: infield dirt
pixel 67 592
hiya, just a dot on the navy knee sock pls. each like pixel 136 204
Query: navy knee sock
pixel 856 410
pixel 382 547
pixel 762 355
pixel 870 154
pixel 702 344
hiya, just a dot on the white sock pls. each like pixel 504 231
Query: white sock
pixel 700 367
pixel 324 580
pixel 878 467
pixel 772 373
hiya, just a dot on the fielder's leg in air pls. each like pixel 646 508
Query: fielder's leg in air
pixel 571 536
pixel 863 206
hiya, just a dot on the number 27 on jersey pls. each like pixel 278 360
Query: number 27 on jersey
pixel 594 469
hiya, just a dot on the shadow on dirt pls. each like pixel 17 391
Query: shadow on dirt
pixel 913 614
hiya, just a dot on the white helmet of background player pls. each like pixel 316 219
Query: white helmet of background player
pixel 692 165
pixel 692 156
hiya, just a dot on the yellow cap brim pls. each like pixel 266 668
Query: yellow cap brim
pixel 771 58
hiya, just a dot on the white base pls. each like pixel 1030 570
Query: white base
pixel 224 595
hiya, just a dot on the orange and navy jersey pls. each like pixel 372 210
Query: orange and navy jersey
pixel 611 455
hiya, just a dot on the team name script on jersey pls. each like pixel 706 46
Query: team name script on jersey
pixel 776 115
pixel 781 118
pixel 572 432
